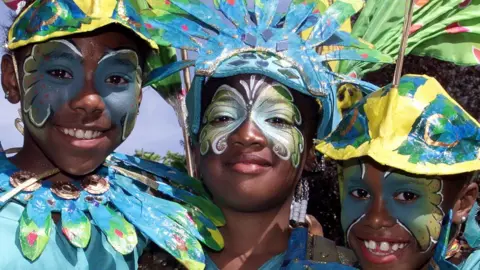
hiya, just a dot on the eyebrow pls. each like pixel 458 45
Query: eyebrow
pixel 63 55
pixel 112 53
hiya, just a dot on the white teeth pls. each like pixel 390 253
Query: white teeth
pixel 372 245
pixel 384 246
pixel 88 134
pixel 81 134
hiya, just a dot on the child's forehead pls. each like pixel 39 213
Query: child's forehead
pixel 363 170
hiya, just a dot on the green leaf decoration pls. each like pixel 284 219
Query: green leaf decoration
pixel 75 226
pixel 34 238
pixel 119 232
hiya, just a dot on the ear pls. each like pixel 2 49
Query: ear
pixel 311 161
pixel 465 202
pixel 140 97
pixel 9 80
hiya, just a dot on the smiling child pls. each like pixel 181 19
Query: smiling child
pixel 410 155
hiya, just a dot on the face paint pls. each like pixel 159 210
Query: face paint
pixel 269 106
pixel 413 201
pixel 118 81
pixel 54 75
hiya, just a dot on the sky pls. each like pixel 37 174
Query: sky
pixel 157 129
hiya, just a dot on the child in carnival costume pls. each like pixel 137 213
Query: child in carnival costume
pixel 67 201
pixel 410 155
pixel 257 96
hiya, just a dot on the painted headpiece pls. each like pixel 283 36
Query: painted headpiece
pixel 44 20
pixel 40 21
pixel 266 43
pixel 415 127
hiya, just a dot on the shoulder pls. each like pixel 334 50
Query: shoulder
pixel 472 261
pixel 144 171
pixel 325 250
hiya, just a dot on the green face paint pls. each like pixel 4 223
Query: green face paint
pixel 270 106
pixel 415 202
pixel 54 75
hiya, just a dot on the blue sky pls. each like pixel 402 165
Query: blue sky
pixel 156 130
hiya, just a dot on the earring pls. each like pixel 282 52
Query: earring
pixel 7 94
pixel 464 219
pixel 298 209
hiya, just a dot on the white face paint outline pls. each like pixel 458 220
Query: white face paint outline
pixel 432 243
pixel 260 107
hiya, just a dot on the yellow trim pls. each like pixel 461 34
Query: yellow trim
pixel 390 121
pixel 84 28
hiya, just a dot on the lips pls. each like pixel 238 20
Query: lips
pixel 249 164
pixel 382 251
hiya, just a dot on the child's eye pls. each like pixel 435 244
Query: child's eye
pixel 276 121
pixel 406 196
pixel 360 194
pixel 222 119
pixel 116 80
pixel 60 74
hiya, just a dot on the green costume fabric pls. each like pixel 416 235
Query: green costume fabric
pixel 445 30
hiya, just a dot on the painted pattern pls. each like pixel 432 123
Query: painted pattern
pixel 269 106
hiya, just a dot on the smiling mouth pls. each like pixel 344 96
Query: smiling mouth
pixel 383 248
pixel 81 134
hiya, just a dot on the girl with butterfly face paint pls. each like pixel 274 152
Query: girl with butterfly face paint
pixel 255 140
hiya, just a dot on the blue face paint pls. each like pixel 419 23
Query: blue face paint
pixel 54 75
pixel 413 201
pixel 118 81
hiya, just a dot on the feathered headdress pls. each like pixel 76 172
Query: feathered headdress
pixel 262 42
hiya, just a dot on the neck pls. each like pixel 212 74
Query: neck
pixel 257 233
pixel 31 158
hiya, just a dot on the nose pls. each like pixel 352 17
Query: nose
pixel 248 135
pixel 88 102
pixel 377 216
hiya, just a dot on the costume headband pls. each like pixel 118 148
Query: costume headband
pixel 415 127
pixel 266 43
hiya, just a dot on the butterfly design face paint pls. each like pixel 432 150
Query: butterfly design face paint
pixel 414 202
pixel 269 106
pixel 54 75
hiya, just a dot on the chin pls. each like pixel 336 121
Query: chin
pixel 78 166
pixel 251 198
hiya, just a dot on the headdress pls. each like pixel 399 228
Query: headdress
pixel 262 42
pixel 415 127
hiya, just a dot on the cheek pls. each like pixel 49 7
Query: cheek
pixel 44 96
pixel 121 106
pixel 352 211
pixel 215 139
pixel 421 218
